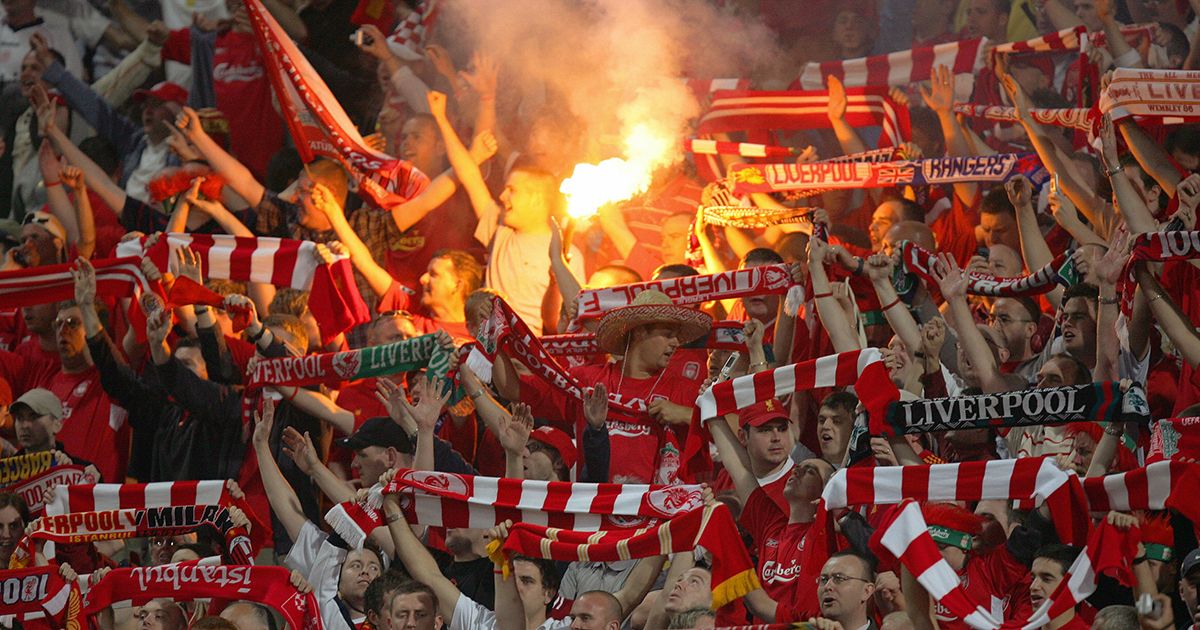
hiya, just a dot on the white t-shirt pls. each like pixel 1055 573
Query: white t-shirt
pixel 321 564
pixel 519 267
pixel 471 615
pixel 14 44
pixel 154 160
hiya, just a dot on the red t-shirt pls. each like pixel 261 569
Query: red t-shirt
pixel 955 229
pixel 93 427
pixel 988 580
pixel 243 94
pixel 778 545
pixel 1179 278
pixel 449 226
pixel 641 450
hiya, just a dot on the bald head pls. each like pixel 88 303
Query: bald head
pixel 914 231
pixel 596 610
pixel 248 616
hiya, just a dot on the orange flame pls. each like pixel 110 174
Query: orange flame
pixel 592 186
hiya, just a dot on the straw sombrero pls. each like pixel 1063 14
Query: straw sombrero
pixel 650 307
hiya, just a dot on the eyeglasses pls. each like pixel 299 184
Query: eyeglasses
pixel 838 579
pixel 162 542
pixel 70 322
pixel 1005 320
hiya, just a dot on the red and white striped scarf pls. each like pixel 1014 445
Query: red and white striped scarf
pixel 760 113
pixel 761 280
pixel 440 499
pixel 1169 95
pixel 915 65
pixel 1057 272
pixel 905 535
pixel 407 40
pixel 318 124
pixel 1157 486
pixel 704 146
pixel 39 596
pixel 725 335
pixel 334 301
pixel 1155 247
pixel 116 278
pixel 704 88
pixel 863 369
pixel 115 496
pixel 33 489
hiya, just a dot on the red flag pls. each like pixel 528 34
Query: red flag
pixel 318 124
pixel 381 13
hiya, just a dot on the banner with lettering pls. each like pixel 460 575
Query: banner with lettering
pixel 39 597
pixel 34 489
pixel 1170 95
pixel 762 178
pixel 1101 402
pixel 762 280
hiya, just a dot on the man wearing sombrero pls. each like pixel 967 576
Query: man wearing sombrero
pixel 645 336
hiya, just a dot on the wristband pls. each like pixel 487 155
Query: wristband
pixel 817 296
pixel 1112 172
pixel 392 518
pixel 52 184
pixel 476 395
pixel 1114 430
pixel 1109 301
pixel 891 304
pixel 859 267
pixel 262 330
pixel 754 365
pixel 200 310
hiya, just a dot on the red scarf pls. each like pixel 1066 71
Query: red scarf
pixel 1155 247
pixel 36 593
pixel 34 489
pixel 265 585
pixel 1058 272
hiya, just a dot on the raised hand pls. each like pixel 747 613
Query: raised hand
pixel 431 398
pixel 300 448
pixel 437 104
pixel 187 264
pixel 482 77
pixel 374 42
pixel 952 281
pixel 818 250
pixel 1188 192
pixel 484 146
pixel 933 337
pixel 1020 191
pixel 879 267
pixel 237 301
pixel 595 406
pixel 940 95
pixel 41 49
pixel 72 177
pixel 158 326
pixel 188 121
pixel 754 331
pixel 1108 268
pixel 515 429
pixel 157 33
pixel 836 109
pixel 264 422
pixel 84 276
pixel 392 396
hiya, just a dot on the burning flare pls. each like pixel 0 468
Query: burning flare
pixel 592 186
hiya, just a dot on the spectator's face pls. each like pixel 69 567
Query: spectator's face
pixel 413 611
pixel 39 245
pixel 1189 161
pixel 764 308
pixel 692 590
pixel 1047 574
pixel 192 359
pixel 439 284
pixel 841 601
pixel 371 462
pixel 994 514
pixel 833 432
pixel 35 432
pixel 68 333
pixel 984 20
pixel 1011 320
pixel 999 228
pixel 157 115
pixel 884 217
pixel 589 612
pixel 39 319
pixel 769 443
pixel 655 344
pixel 12 528
pixel 850 31
pixel 162 548
pixel 392 328
pixel 1004 261
pixel 807 480
pixel 954 556
pixel 31 72
pixel 1163 573
pixel 1085 10
pixel 1079 326
pixel 524 202
pixel 530 587
pixel 421 144
pixel 1187 585
pixel 160 614
pixel 676 230
pixel 1082 449
pixel 1055 373
pixel 538 464
pixel 361 566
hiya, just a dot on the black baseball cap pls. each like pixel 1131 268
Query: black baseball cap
pixel 382 432
pixel 1191 562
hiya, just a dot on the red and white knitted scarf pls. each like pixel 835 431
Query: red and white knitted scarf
pixel 1169 95
pixel 712 527
pixel 407 40
pixel 1155 247
pixel 442 499
pixel 917 64
pixel 863 369
pixel 1158 486
pixel 725 335
pixel 33 489
pixel 318 124
pixel 1080 118
pixel 704 146
pixel 40 597
pixel 335 301
pixel 267 585
pixel 762 280
pixel 1058 272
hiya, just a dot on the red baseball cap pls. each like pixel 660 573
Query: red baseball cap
pixel 165 91
pixel 763 412
pixel 559 441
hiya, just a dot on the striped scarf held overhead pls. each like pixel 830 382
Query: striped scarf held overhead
pixel 440 499
pixel 1058 272
pixel 725 335
pixel 761 280
pixel 34 489
pixel 712 528
pixel 40 597
pixel 1080 118
pixel 1168 95
pixel 1155 247
pixel 407 40
pixel 1158 486
pixel 863 369
pixel 334 299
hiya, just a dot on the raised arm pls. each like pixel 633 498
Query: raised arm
pixel 96 178
pixel 1129 203
pixel 83 219
pixel 1034 250
pixel 460 158
pixel 416 557
pixel 952 282
pixel 56 195
pixel 284 502
pixel 879 269
pixel 239 178
pixel 833 317
pixel 1153 158
pixel 836 112
pixel 1173 322
pixel 940 98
